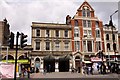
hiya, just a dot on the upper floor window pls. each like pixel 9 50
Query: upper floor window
pixel 47 45
pixel 86 23
pixel 98 46
pixel 76 32
pixel 37 45
pixel 108 46
pixel 97 33
pixel 77 45
pixel 86 12
pixel 114 47
pixel 89 45
pixel 83 13
pixel 57 33
pixel 89 23
pixel 76 22
pixel 57 45
pixel 66 33
pixel 107 36
pixel 37 32
pixel 66 45
pixel 97 24
pixel 47 33
pixel 87 33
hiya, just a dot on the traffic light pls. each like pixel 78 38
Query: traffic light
pixel 11 40
pixel 23 40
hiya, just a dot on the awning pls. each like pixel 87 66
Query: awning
pixel 87 62
pixel 96 59
pixel 49 57
pixel 65 57
pixel 19 61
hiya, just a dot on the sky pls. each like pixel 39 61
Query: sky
pixel 21 13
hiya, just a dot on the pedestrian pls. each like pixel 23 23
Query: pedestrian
pixel 91 71
pixel 44 72
pixel 49 68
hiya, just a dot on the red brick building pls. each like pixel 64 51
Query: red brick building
pixel 87 34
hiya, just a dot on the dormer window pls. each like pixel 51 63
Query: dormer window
pixel 83 13
pixel 86 12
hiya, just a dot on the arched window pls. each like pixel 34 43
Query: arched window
pixel 108 46
pixel 76 23
pixel 9 57
pixel 114 47
pixel 37 59
pixel 107 36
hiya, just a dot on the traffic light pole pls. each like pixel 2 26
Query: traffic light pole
pixel 17 36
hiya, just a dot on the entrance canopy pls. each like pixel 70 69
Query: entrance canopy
pixel 97 59
pixel 65 57
pixel 49 57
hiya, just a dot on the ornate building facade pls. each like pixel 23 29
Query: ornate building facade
pixel 51 45
pixel 87 34
pixel 111 42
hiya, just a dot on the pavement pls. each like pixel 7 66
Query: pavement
pixel 69 76
pixel 72 75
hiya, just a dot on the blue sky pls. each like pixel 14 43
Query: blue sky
pixel 21 13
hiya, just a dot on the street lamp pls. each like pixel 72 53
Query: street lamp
pixel 112 26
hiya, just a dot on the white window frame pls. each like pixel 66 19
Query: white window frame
pixel 98 35
pixel 66 45
pixel 67 33
pixel 36 33
pixel 46 45
pixel 58 33
pixel 36 45
pixel 46 33
pixel 76 32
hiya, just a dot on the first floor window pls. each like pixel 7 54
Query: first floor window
pixel 57 44
pixel 47 45
pixel 66 45
pixel 37 45
pixel 76 32
pixel 89 45
pixel 77 45
pixel 84 46
pixel 108 46
pixel 97 33
pixel 98 46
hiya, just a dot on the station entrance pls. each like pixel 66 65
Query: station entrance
pixel 64 64
pixel 49 63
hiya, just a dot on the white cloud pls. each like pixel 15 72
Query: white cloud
pixel 21 13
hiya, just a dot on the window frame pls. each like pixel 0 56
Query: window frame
pixel 37 32
pixel 37 47
pixel 47 46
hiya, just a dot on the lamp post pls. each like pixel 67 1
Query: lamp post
pixel 112 26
